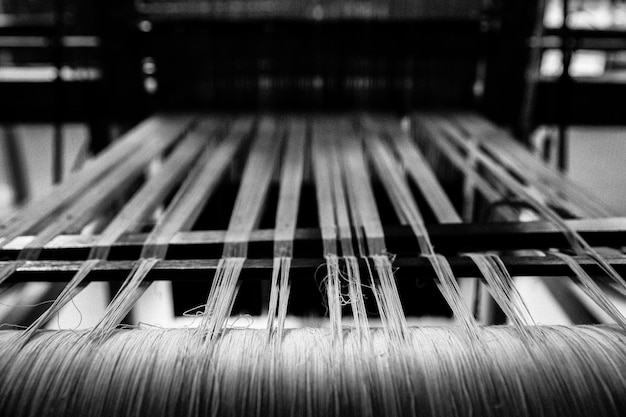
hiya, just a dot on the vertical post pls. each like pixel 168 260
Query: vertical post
pixel 15 164
pixel 57 41
pixel 508 57
pixel 109 17
pixel 564 86
pixel 533 74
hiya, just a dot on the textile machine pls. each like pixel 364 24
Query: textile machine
pixel 345 235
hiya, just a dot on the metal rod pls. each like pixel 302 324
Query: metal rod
pixel 447 238
pixel 16 165
pixel 58 145
pixel 565 83
pixel 261 269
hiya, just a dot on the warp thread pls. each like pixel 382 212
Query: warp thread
pixel 575 371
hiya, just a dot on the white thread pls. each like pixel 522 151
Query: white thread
pixel 574 371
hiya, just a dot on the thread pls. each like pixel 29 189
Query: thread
pixel 388 298
pixel 91 202
pixel 397 370
pixel 438 372
pixel 286 221
pixel 369 232
pixel 279 298
pixel 534 191
pixel 150 194
pixel 222 296
pixel 333 295
pixel 510 183
pixel 69 292
pixel 335 224
pixel 35 212
pixel 179 215
pixel 132 289
pixel 592 289
pixel 407 210
pixel 500 285
pixel 357 299
pixel 246 213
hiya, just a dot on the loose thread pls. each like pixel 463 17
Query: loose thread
pixel 68 293
pixel 125 299
pixel 221 297
pixel 333 294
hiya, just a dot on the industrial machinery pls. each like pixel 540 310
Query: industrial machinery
pixel 341 230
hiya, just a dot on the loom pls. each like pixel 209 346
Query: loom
pixel 361 221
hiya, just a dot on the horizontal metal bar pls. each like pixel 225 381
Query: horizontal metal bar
pixel 237 11
pixel 588 33
pixel 447 238
pixel 260 269
pixel 602 44
pixel 14 42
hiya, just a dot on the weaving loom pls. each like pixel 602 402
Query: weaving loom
pixel 356 206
